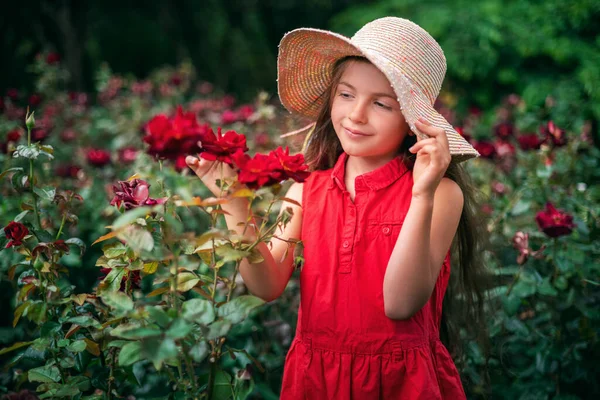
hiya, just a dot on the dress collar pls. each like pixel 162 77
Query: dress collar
pixel 379 178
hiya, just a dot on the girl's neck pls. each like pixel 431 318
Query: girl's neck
pixel 356 166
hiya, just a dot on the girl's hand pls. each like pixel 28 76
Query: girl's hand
pixel 433 158
pixel 209 172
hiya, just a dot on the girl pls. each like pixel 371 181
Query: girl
pixel 377 219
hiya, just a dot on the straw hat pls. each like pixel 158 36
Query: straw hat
pixel 410 58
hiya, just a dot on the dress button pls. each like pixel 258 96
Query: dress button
pixel 346 244
pixel 386 230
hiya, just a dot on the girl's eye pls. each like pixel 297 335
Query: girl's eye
pixel 382 105
pixel 345 95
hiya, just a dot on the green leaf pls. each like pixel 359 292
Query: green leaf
pixel 14 169
pixel 228 253
pixel 130 216
pixel 77 242
pixel 45 374
pixel 112 281
pixel 21 216
pixel 239 308
pixel 114 249
pixel 159 316
pixel 199 351
pixel 77 346
pixel 222 389
pixel 186 281
pixel 45 193
pixel 14 347
pixel 128 332
pixel 130 354
pixel 85 321
pixel 31 152
pixel 160 350
pixel 117 300
pixel 199 311
pixel 545 288
pixel 179 328
pixel 218 329
pixel 139 239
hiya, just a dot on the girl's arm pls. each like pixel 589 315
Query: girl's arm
pixel 266 279
pixel 422 245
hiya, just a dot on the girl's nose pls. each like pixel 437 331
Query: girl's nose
pixel 358 114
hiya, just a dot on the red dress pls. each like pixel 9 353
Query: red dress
pixel 345 347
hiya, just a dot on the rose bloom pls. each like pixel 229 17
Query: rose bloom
pixel 98 157
pixel 229 117
pixel 245 112
pixel 13 94
pixel 68 135
pixel 554 134
pixel 530 141
pixel 504 149
pixel 175 137
pixel 128 155
pixel 485 148
pixel 15 232
pixel 266 170
pixel 222 147
pixel 133 194
pixel 52 58
pixel 462 133
pixel 35 100
pixel 521 242
pixel 14 135
pixel 67 171
pixel 291 166
pixel 553 222
pixel 262 139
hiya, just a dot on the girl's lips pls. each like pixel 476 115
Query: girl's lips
pixel 355 134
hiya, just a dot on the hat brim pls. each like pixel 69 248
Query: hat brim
pixel 305 67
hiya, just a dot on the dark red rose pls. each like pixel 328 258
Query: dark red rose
pixel 98 157
pixel 553 222
pixel 530 141
pixel 141 88
pixel 504 130
pixel 485 148
pixel 133 194
pixel 67 171
pixel 128 155
pixel 14 135
pixel 228 101
pixel 172 138
pixel 262 139
pixel 462 133
pixel 52 58
pixel 222 147
pixel 229 117
pixel 474 111
pixel 79 98
pixel 68 135
pixel 521 243
pixel 39 134
pixel 12 94
pixel 554 134
pixel 15 232
pixel 205 88
pixel 35 100
pixel 175 80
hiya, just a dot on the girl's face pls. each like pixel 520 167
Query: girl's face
pixel 366 115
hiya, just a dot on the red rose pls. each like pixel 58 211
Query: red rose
pixel 172 138
pixel 530 141
pixel 35 99
pixel 15 232
pixel 222 147
pixel 486 149
pixel 175 80
pixel 258 171
pixel 262 139
pixel 14 135
pixel 504 130
pixel 68 135
pixel 553 222
pixel 67 171
pixel 13 94
pixel 292 167
pixel 128 155
pixel 52 58
pixel 229 117
pixel 245 112
pixel 98 157
pixel 133 194
pixel 554 134
pixel 462 133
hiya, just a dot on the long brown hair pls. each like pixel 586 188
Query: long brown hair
pixel 465 301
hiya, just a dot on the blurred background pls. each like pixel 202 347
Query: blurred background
pixel 522 85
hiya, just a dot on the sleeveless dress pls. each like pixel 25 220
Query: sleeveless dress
pixel 345 347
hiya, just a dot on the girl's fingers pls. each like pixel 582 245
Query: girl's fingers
pixel 438 133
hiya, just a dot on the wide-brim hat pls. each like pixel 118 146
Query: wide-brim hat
pixel 405 53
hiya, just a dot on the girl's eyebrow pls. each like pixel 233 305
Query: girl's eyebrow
pixel 374 94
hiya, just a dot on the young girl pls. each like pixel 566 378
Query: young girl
pixel 377 219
